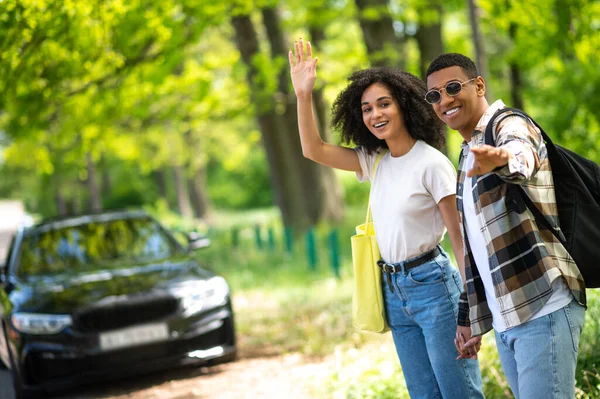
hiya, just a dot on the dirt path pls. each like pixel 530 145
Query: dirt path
pixel 288 376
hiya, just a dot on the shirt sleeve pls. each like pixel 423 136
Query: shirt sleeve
pixel 525 144
pixel 367 162
pixel 440 177
pixel 463 310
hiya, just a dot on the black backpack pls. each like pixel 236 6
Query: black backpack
pixel 577 188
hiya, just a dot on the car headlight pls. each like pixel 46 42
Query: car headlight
pixel 205 295
pixel 36 323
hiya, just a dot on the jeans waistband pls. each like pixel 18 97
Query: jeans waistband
pixel 405 266
pixel 409 264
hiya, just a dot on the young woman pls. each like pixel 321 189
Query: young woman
pixel 413 201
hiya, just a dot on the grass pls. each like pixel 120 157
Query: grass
pixel 283 306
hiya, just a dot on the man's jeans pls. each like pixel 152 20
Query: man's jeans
pixel 421 313
pixel 539 357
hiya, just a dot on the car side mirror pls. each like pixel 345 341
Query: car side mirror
pixel 197 241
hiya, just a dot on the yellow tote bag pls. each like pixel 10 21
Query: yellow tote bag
pixel 368 310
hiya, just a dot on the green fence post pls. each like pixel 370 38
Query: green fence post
pixel 287 238
pixel 259 243
pixel 271 238
pixel 334 252
pixel 311 249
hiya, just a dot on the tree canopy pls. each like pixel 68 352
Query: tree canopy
pixel 117 103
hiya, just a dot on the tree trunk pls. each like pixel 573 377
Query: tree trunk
pixel 161 184
pixel 198 197
pixel 183 202
pixel 287 190
pixel 480 56
pixel 384 46
pixel 72 206
pixel 278 46
pixel 161 180
pixel 330 184
pixel 61 204
pixel 429 39
pixel 429 33
pixel 95 203
pixel 320 106
pixel 196 178
pixel 296 181
pixel 105 182
pixel 325 199
pixel 516 94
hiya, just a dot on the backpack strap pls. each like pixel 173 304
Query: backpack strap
pixel 503 114
pixel 515 188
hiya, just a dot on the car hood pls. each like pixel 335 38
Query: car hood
pixel 65 293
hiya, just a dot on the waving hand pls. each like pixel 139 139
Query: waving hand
pixel 303 68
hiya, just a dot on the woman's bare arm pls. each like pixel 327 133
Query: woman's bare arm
pixel 303 69
pixel 447 206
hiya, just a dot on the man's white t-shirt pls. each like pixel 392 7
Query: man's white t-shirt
pixel 404 197
pixel 561 296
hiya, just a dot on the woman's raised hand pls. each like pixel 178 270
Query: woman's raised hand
pixel 303 68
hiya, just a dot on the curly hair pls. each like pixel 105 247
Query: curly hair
pixel 407 90
pixel 453 59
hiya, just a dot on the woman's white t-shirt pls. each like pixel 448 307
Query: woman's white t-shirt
pixel 404 198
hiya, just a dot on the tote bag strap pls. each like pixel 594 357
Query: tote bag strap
pixel 369 215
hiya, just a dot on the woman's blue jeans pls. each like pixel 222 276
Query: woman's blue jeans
pixel 421 313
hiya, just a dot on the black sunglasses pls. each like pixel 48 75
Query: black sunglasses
pixel 452 88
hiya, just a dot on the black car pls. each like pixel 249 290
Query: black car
pixel 95 296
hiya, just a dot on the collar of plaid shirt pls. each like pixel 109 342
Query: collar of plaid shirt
pixel 523 259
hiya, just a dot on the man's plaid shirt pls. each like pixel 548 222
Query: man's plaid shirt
pixel 524 258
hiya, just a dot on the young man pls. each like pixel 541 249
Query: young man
pixel 520 280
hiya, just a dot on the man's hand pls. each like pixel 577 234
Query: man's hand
pixel 466 345
pixel 488 158
pixel 303 68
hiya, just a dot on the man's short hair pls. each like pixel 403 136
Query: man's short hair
pixel 453 59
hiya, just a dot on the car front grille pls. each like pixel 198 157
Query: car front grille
pixel 124 313
pixel 41 369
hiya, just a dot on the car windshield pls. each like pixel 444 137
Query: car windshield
pixel 79 248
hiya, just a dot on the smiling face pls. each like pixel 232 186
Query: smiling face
pixel 463 111
pixel 381 113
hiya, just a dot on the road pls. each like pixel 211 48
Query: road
pixel 290 376
pixel 6 391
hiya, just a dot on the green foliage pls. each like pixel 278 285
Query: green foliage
pixel 242 164
pixel 552 46
pixel 588 362
pixel 374 375
pixel 356 194
pixel 129 190
pixel 155 86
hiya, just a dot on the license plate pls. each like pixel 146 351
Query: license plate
pixel 134 336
